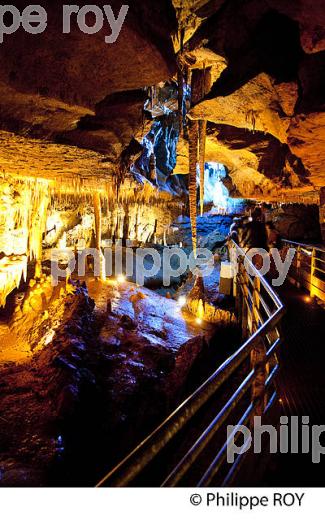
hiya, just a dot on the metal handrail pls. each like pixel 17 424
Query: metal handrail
pixel 305 246
pixel 222 453
pixel 308 273
pixel 145 452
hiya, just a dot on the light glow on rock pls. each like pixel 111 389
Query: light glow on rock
pixel 182 301
pixel 12 270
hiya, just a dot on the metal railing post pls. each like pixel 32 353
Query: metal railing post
pixel 298 266
pixel 256 303
pixel 244 290
pixel 312 271
pixel 258 355
pixel 238 293
pixel 309 269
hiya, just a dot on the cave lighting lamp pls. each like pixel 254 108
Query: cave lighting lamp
pixel 182 301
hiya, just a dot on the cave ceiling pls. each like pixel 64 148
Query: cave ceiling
pixel 73 105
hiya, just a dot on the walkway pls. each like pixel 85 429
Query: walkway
pixel 301 390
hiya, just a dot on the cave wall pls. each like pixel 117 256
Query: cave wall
pixel 298 222
pixel 78 90
pixel 73 113
pixel 265 110
pixel 263 90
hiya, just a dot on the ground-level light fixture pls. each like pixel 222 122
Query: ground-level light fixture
pixel 182 301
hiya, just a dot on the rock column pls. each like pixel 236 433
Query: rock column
pixel 322 212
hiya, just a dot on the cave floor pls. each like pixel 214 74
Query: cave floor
pixel 149 309
pixel 110 373
pixel 11 349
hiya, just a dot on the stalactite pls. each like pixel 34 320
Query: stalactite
pixel 126 222
pixel 203 80
pixel 12 270
pixel 251 117
pixel 153 169
pixel 151 94
pixel 137 223
pixel 202 140
pixel 98 219
pixel 187 74
pixel 182 38
pixel 180 97
pixel 25 222
pixel 200 84
pixel 193 159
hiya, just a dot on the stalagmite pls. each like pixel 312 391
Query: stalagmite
pixel 193 158
pixel 40 199
pixel 98 232
pixel 202 139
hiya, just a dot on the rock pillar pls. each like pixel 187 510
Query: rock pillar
pixel 322 212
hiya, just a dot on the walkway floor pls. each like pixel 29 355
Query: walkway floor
pixel 301 390
pixel 302 381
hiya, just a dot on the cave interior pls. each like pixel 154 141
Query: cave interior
pixel 200 111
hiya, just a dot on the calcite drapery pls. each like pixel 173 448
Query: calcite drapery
pixel 22 226
pixel 11 272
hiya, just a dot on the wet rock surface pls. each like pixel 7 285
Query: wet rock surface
pixel 36 393
pixel 109 375
pixel 211 230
